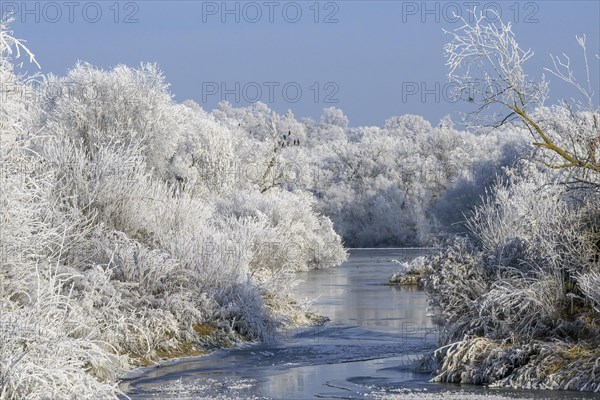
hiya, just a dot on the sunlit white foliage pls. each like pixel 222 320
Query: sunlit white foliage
pixel 126 242
pixel 519 297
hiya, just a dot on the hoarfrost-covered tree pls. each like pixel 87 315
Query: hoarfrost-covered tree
pixel 205 159
pixel 406 170
pixel 487 65
pixel 118 107
pixel 519 295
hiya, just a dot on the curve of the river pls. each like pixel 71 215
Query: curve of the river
pixel 366 350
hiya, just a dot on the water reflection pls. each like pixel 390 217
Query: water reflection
pixel 353 293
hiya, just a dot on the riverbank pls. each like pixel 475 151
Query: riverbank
pixel 366 351
pixel 510 324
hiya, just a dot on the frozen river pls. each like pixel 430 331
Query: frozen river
pixel 365 350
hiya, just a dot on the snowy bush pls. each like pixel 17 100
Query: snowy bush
pixel 293 237
pixel 41 355
pixel 120 107
pixel 411 273
pixel 526 274
pixel 205 160
pixel 519 296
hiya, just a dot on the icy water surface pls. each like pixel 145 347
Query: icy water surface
pixel 364 351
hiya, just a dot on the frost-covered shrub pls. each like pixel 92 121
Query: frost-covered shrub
pixel 528 275
pixel 41 353
pixel 121 107
pixel 411 272
pixel 205 159
pixel 537 365
pixel 293 236
pixel 42 357
pixel 456 282
pixel 192 230
pixel 590 286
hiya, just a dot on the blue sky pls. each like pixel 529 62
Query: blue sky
pixel 355 55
